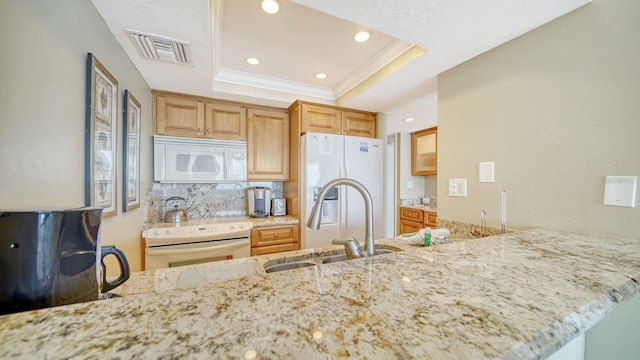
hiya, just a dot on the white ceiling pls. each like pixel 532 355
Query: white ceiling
pixel 309 36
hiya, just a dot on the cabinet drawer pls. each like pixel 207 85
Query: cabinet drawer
pixel 262 250
pixel 412 214
pixel 273 235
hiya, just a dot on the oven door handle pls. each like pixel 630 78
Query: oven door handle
pixel 174 251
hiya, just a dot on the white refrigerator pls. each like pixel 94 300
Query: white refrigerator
pixel 325 157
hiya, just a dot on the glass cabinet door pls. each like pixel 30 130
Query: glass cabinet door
pixel 424 152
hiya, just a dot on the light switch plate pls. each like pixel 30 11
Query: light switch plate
pixel 458 187
pixel 485 172
pixel 620 191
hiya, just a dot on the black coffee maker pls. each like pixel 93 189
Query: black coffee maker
pixel 50 258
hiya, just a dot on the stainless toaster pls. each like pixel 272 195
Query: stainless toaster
pixel 278 207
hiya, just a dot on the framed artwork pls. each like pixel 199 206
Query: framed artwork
pixel 131 153
pixel 100 137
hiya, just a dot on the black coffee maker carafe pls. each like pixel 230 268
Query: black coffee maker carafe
pixel 50 258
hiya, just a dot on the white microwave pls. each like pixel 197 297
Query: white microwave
pixel 187 160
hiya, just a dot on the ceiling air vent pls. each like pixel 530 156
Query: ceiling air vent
pixel 160 48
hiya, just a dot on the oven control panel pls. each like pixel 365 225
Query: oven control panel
pixel 198 232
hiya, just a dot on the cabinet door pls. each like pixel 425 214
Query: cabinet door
pixel 267 145
pixel 179 116
pixel 407 226
pixel 430 219
pixel 320 119
pixel 225 121
pixel 359 124
pixel 424 153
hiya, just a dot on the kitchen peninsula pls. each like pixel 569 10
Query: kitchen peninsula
pixel 520 295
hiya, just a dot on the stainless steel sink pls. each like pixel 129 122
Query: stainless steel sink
pixel 339 255
pixel 343 257
pixel 289 266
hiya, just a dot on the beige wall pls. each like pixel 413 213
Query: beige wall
pixel 557 109
pixel 42 105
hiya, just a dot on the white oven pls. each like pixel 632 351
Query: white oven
pixel 194 242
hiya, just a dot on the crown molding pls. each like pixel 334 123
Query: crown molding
pixel 391 67
pixel 389 53
pixel 269 83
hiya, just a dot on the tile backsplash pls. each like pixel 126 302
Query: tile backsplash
pixel 203 200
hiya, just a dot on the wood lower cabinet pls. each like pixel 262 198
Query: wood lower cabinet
pixel 267 145
pixel 407 226
pixel 325 119
pixel 273 239
pixel 430 219
pixel 197 117
pixel 412 220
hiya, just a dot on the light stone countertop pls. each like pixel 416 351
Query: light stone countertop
pixel 273 221
pixel 516 296
pixel 427 208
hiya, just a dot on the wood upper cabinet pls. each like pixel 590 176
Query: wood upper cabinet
pixel 327 119
pixel 178 115
pixel 225 121
pixel 359 124
pixel 267 145
pixel 424 152
pixel 321 119
pixel 196 117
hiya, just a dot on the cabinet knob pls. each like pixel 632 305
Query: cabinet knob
pixel 199 129
pixel 251 172
pixel 209 131
pixel 276 235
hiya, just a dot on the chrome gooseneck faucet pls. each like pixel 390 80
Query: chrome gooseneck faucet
pixel 351 245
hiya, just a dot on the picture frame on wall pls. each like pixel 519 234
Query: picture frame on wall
pixel 131 152
pixel 101 137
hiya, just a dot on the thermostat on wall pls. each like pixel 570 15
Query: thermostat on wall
pixel 620 190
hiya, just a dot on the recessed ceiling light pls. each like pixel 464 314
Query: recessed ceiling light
pixel 320 76
pixel 252 61
pixel 361 36
pixel 270 6
pixel 409 119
